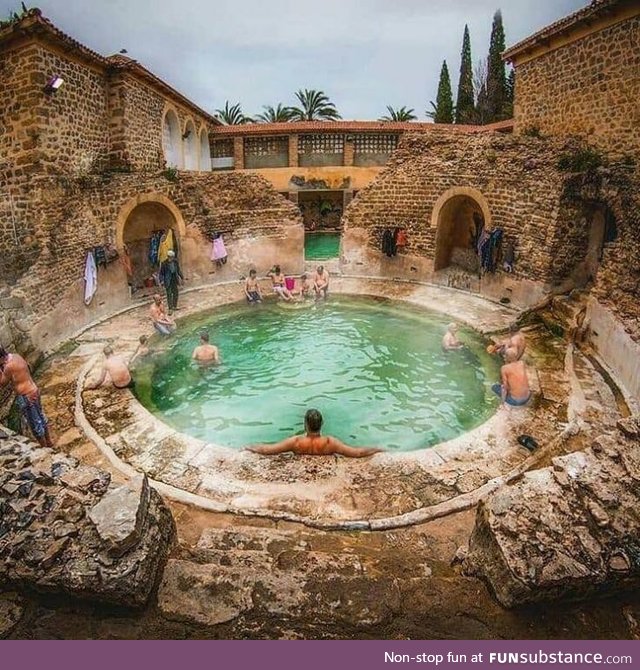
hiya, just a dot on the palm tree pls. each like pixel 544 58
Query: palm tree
pixel 401 114
pixel 315 106
pixel 279 114
pixel 232 115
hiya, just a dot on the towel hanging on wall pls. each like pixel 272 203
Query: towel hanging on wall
pixel 90 278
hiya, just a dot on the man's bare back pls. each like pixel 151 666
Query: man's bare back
pixel 16 372
pixel 515 381
pixel 313 444
pixel 116 368
pixel 206 353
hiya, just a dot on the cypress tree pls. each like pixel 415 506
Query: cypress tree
pixel 511 89
pixel 443 109
pixel 496 72
pixel 464 103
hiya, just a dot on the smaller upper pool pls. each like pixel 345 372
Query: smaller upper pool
pixel 374 368
pixel 321 246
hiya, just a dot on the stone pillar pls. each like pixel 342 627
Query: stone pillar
pixel 348 150
pixel 293 196
pixel 293 151
pixel 347 197
pixel 238 153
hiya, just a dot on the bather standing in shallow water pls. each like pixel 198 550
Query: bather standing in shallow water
pixel 312 443
pixel 450 340
pixel 206 353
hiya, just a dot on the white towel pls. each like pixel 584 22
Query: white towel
pixel 90 278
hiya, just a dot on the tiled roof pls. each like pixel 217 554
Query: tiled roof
pixel 595 9
pixel 32 22
pixel 351 127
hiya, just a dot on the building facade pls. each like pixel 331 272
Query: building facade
pixel 581 76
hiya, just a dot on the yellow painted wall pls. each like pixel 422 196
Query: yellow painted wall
pixel 333 176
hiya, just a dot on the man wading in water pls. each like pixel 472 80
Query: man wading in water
pixel 312 443
pixel 15 371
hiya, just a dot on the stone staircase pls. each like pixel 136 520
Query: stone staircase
pixel 255 573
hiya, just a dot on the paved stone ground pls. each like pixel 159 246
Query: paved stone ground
pixel 292 582
pixel 234 576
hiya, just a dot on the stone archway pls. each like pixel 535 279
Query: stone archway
pixel 191 146
pixel 136 224
pixel 172 139
pixel 602 231
pixel 457 216
pixel 205 151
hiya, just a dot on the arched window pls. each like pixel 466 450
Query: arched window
pixel 172 140
pixel 205 151
pixel 191 147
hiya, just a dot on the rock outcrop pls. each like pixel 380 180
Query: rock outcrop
pixel 567 531
pixel 63 529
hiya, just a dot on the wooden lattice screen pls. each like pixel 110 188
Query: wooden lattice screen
pixel 328 143
pixel 265 146
pixel 375 144
pixel 221 148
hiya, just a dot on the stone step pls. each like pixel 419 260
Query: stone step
pixel 208 594
pixel 247 539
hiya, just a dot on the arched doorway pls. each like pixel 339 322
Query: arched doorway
pixel 602 231
pixel 141 220
pixel 191 146
pixel 459 216
pixel 205 151
pixel 172 140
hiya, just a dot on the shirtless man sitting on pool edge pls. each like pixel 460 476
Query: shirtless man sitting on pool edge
pixel 312 443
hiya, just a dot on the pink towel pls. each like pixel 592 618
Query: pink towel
pixel 290 283
pixel 218 251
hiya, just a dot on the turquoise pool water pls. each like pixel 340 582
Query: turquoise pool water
pixel 321 246
pixel 374 368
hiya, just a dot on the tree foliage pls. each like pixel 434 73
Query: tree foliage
pixel 442 111
pixel 232 115
pixel 465 104
pixel 314 106
pixel 496 72
pixel 278 114
pixel 399 114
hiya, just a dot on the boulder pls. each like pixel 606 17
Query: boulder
pixel 63 533
pixel 569 531
pixel 119 517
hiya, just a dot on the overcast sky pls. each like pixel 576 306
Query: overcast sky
pixel 365 54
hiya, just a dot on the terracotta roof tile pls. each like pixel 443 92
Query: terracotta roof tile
pixel 351 127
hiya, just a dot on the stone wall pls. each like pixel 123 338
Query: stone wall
pixel 514 181
pixel 589 87
pixel 73 122
pixel 143 115
pixel 71 216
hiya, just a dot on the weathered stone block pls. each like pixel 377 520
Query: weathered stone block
pixel 119 517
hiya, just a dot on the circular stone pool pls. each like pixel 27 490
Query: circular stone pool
pixel 373 367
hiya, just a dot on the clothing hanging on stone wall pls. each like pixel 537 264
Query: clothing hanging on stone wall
pixel 490 250
pixel 90 278
pixel 154 245
pixel 218 250
pixel 167 244
pixel 100 255
pixel 400 235
pixel 389 243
